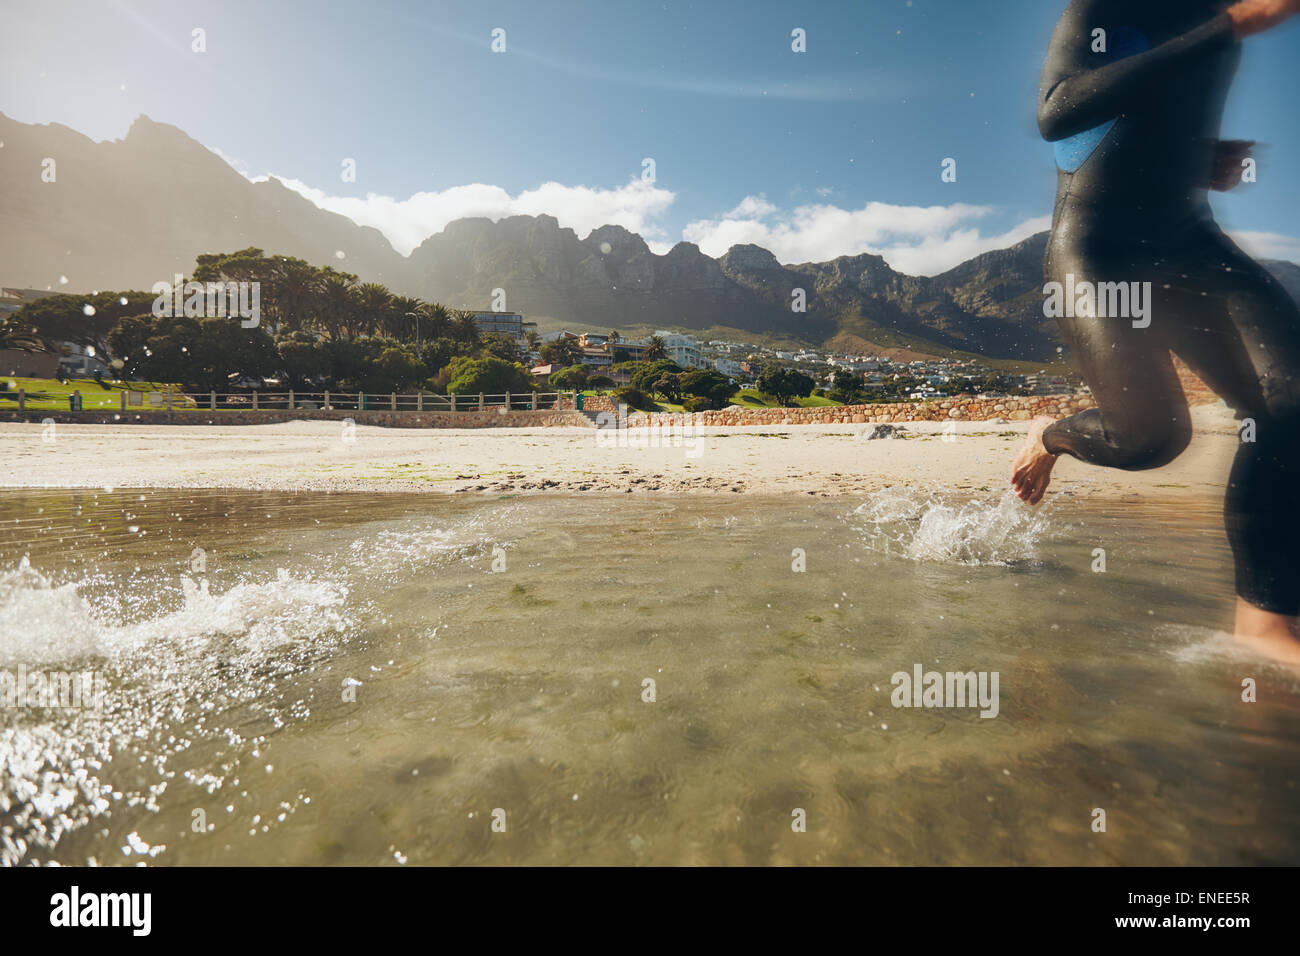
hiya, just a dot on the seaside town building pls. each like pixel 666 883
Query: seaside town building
pixel 511 324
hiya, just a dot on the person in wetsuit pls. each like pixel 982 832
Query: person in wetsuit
pixel 1134 115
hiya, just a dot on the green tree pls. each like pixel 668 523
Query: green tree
pixel 202 354
pixel 783 384
pixel 224 350
pixel 634 398
pixel 337 310
pixel 574 377
pixel 490 375
pixel 86 320
pixel 644 375
pixel 439 322
pixel 295 293
pixel 398 369
pixel 714 387
pixel 669 385
pixel 243 265
pixel 376 365
pixel 436 355
pixel 464 328
pixel 303 360
pixel 846 386
pixel 500 345
pixel 374 309
pixel 562 352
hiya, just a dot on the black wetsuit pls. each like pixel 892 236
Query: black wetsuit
pixel 1135 130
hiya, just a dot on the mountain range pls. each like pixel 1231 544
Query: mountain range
pixel 127 213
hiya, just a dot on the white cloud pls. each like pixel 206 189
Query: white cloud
pixel 937 254
pixel 408 222
pixel 237 164
pixel 1268 245
pixel 752 207
pixel 920 240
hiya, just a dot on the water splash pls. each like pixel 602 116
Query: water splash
pixel 938 526
pixel 202 657
pixel 53 624
pixel 190 665
pixel 44 623
pixel 1204 645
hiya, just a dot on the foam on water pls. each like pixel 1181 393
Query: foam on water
pixel 1204 645
pixel 938 526
pixel 54 762
pixel 416 545
pixel 212 652
pixel 53 624
pixel 49 623
pixel 44 623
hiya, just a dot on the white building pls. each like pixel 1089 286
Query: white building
pixel 81 360
pixel 682 349
pixel 510 324
pixel 727 367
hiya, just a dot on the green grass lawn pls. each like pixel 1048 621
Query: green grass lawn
pixel 749 398
pixel 51 395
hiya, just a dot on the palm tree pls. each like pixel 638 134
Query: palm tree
pixel 656 348
pixel 439 316
pixel 407 319
pixel 295 291
pixel 374 306
pixel 338 306
pixel 463 328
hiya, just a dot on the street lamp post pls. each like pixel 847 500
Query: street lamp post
pixel 416 316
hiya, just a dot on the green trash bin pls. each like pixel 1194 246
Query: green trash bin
pixel 74 402
pixel 581 398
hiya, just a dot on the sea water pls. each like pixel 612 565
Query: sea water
pixel 421 679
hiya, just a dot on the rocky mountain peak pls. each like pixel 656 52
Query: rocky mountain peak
pixel 748 258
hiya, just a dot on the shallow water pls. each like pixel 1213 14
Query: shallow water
pixel 344 679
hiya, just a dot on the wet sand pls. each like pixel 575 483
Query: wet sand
pixel 823 460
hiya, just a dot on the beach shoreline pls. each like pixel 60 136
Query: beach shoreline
pixel 824 460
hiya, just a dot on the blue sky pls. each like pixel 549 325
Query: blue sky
pixel 832 151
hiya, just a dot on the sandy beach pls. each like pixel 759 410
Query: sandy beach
pixel 770 460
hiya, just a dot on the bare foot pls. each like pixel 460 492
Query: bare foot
pixel 1032 468
pixel 1270 635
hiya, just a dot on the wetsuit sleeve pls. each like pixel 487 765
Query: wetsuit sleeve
pixel 1082 89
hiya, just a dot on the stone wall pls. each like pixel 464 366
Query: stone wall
pixel 489 418
pixel 959 408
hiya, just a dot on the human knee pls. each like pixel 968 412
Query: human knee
pixel 1152 445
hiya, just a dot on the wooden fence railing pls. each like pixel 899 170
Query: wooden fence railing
pixel 257 400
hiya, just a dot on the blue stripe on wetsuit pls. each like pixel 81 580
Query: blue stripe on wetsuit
pixel 1073 151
